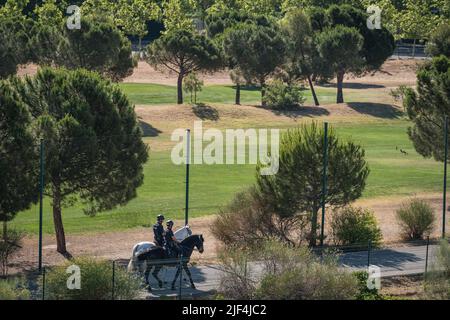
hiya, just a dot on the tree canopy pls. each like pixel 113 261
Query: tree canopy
pixel 97 46
pixel 183 52
pixel 302 55
pixel 256 50
pixel 428 106
pixel 14 44
pixel 377 45
pixel 18 156
pixel 94 151
pixel 340 48
pixel 297 187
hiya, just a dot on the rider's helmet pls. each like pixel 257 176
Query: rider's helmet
pixel 169 223
pixel 160 217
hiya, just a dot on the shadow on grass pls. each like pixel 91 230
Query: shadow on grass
pixel 354 85
pixel 148 130
pixel 205 112
pixel 379 110
pixel 247 88
pixel 299 111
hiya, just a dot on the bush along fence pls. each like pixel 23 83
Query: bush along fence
pixel 93 279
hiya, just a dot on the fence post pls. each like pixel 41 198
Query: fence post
pixel 113 278
pixel 369 248
pixel 41 192
pixel 426 257
pixel 188 151
pixel 444 199
pixel 43 283
pixel 324 181
pixel 181 274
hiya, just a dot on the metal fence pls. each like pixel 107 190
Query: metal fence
pixel 404 259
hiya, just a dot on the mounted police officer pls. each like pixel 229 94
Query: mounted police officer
pixel 172 244
pixel 158 231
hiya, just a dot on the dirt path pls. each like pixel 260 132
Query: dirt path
pixel 392 74
pixel 118 245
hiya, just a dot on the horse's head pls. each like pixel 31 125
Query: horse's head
pixel 199 243
pixel 192 242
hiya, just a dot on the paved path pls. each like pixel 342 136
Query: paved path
pixel 392 261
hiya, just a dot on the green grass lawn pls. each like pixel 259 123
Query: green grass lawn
pixel 213 186
pixel 148 94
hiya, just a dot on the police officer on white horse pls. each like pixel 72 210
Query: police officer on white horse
pixel 158 231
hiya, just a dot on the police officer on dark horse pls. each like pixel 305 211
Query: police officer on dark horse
pixel 171 243
pixel 171 255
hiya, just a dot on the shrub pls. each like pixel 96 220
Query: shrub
pixel 439 43
pixel 279 95
pixel 192 84
pixel 246 222
pixel 236 281
pixel 287 273
pixel 13 289
pixel 437 281
pixel 96 282
pixel 364 293
pixel 313 282
pixel 9 245
pixel 399 94
pixel 352 226
pixel 416 219
pixel 300 275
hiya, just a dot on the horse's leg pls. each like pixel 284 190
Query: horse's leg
pixel 185 267
pixel 148 268
pixel 155 274
pixel 176 277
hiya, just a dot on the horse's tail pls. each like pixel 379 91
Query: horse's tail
pixel 132 264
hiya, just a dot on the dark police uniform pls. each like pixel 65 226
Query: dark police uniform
pixel 171 246
pixel 158 231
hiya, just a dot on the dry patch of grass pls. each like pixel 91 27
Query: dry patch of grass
pixel 403 287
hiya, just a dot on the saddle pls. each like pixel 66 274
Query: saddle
pixel 171 253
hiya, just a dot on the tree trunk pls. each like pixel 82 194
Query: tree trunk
pixel 180 88
pixel 340 82
pixel 57 220
pixel 313 238
pixel 140 49
pixel 5 230
pixel 313 91
pixel 263 92
pixel 237 100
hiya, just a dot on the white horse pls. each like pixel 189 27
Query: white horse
pixel 146 246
